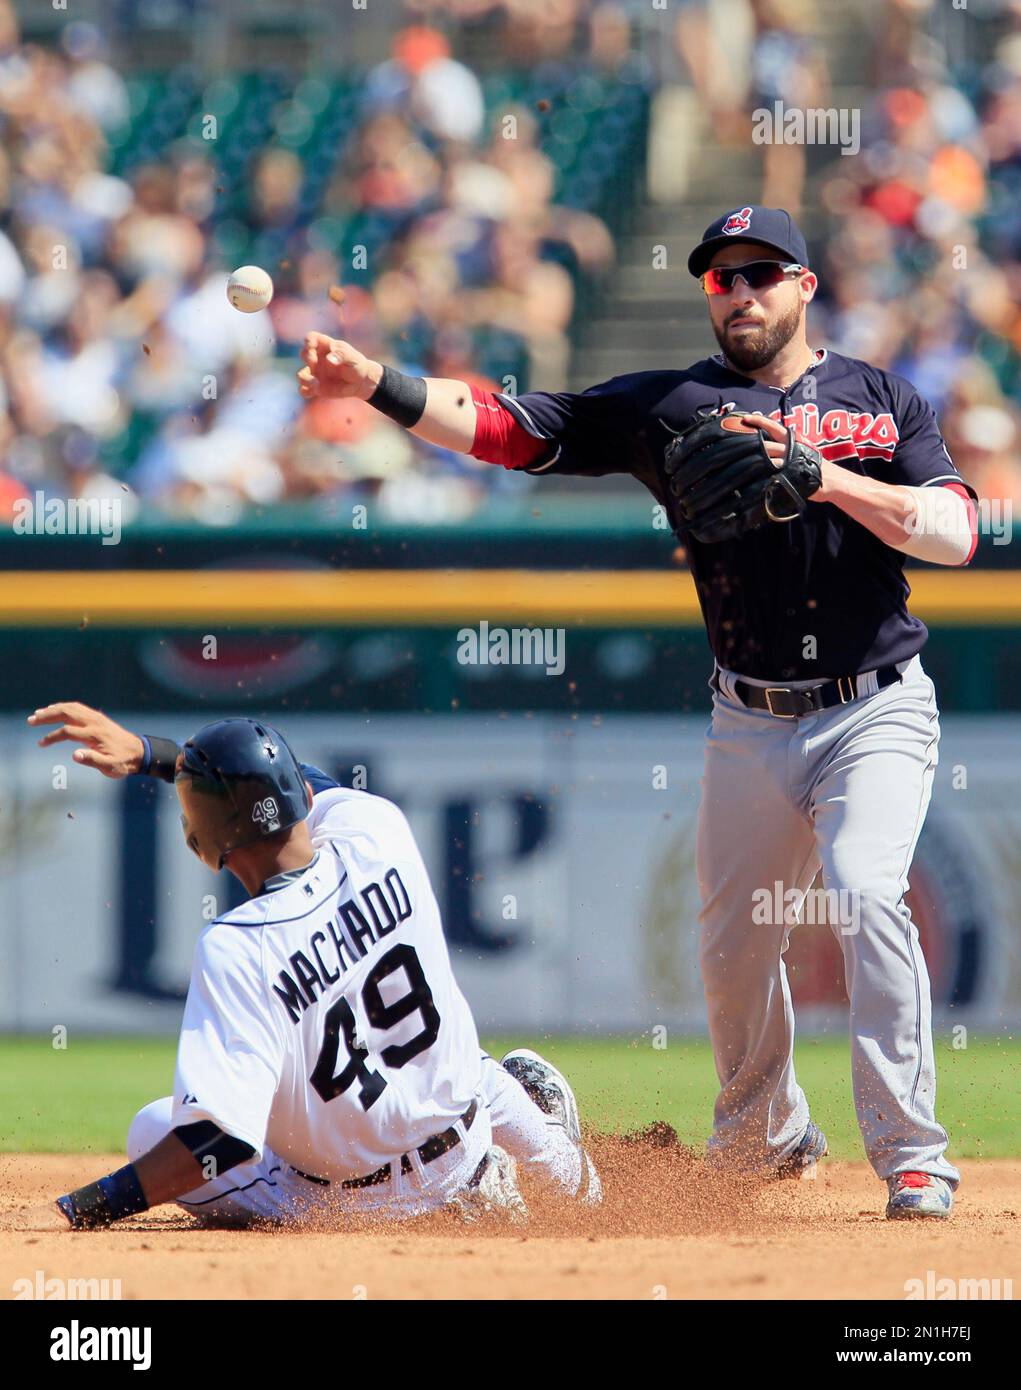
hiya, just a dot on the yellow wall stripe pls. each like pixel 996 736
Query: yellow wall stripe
pixel 318 598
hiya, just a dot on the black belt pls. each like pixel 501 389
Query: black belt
pixel 787 703
pixel 432 1149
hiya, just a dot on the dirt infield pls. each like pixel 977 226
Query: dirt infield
pixel 667 1230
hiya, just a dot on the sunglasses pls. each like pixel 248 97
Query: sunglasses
pixel 757 275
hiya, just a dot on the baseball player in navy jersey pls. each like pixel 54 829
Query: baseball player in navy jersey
pixel 328 1063
pixel 824 733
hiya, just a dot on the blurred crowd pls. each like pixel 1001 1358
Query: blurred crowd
pixel 124 372
pixel 922 263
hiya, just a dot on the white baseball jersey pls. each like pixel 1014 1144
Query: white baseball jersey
pixel 323 1019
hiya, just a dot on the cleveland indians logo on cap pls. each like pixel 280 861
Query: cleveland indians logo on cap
pixel 737 222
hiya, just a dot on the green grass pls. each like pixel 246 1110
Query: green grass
pixel 83 1098
pixel 79 1098
pixel 623 1084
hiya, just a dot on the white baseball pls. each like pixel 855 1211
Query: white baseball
pixel 249 289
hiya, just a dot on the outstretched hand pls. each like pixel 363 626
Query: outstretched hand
pixel 112 750
pixel 336 369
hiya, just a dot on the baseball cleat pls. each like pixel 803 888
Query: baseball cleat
pixel 915 1195
pixel 493 1190
pixel 551 1091
pixel 800 1163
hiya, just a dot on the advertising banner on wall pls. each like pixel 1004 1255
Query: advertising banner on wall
pixel 561 852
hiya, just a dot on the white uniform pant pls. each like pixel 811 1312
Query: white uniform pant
pixel 845 790
pixel 544 1152
pixel 271 1190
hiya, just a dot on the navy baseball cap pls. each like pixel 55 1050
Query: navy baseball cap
pixel 772 226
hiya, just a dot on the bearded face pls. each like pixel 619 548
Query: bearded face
pixel 753 325
pixel 751 345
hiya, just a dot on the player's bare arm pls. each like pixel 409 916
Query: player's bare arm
pixel 437 409
pixel 177 1164
pixel 939 518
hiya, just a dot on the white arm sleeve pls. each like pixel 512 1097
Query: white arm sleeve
pixel 230 1056
pixel 941 529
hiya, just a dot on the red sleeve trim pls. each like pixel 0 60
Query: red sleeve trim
pixel 499 438
pixel 969 501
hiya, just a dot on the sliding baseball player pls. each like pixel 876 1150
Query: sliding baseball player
pixel 328 1063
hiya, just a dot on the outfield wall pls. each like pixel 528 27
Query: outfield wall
pixel 562 864
pixel 305 636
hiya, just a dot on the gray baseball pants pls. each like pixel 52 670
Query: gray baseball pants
pixel 845 790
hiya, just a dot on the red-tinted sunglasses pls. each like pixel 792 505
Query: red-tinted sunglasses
pixel 757 275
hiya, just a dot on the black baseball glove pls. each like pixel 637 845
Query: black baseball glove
pixel 726 484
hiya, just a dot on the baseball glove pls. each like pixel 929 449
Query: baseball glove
pixel 725 482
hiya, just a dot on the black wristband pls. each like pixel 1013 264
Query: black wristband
pixel 162 757
pixel 103 1202
pixel 401 397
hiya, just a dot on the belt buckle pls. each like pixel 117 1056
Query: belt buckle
pixel 777 690
pixel 851 686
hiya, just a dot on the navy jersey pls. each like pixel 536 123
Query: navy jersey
pixel 824 576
